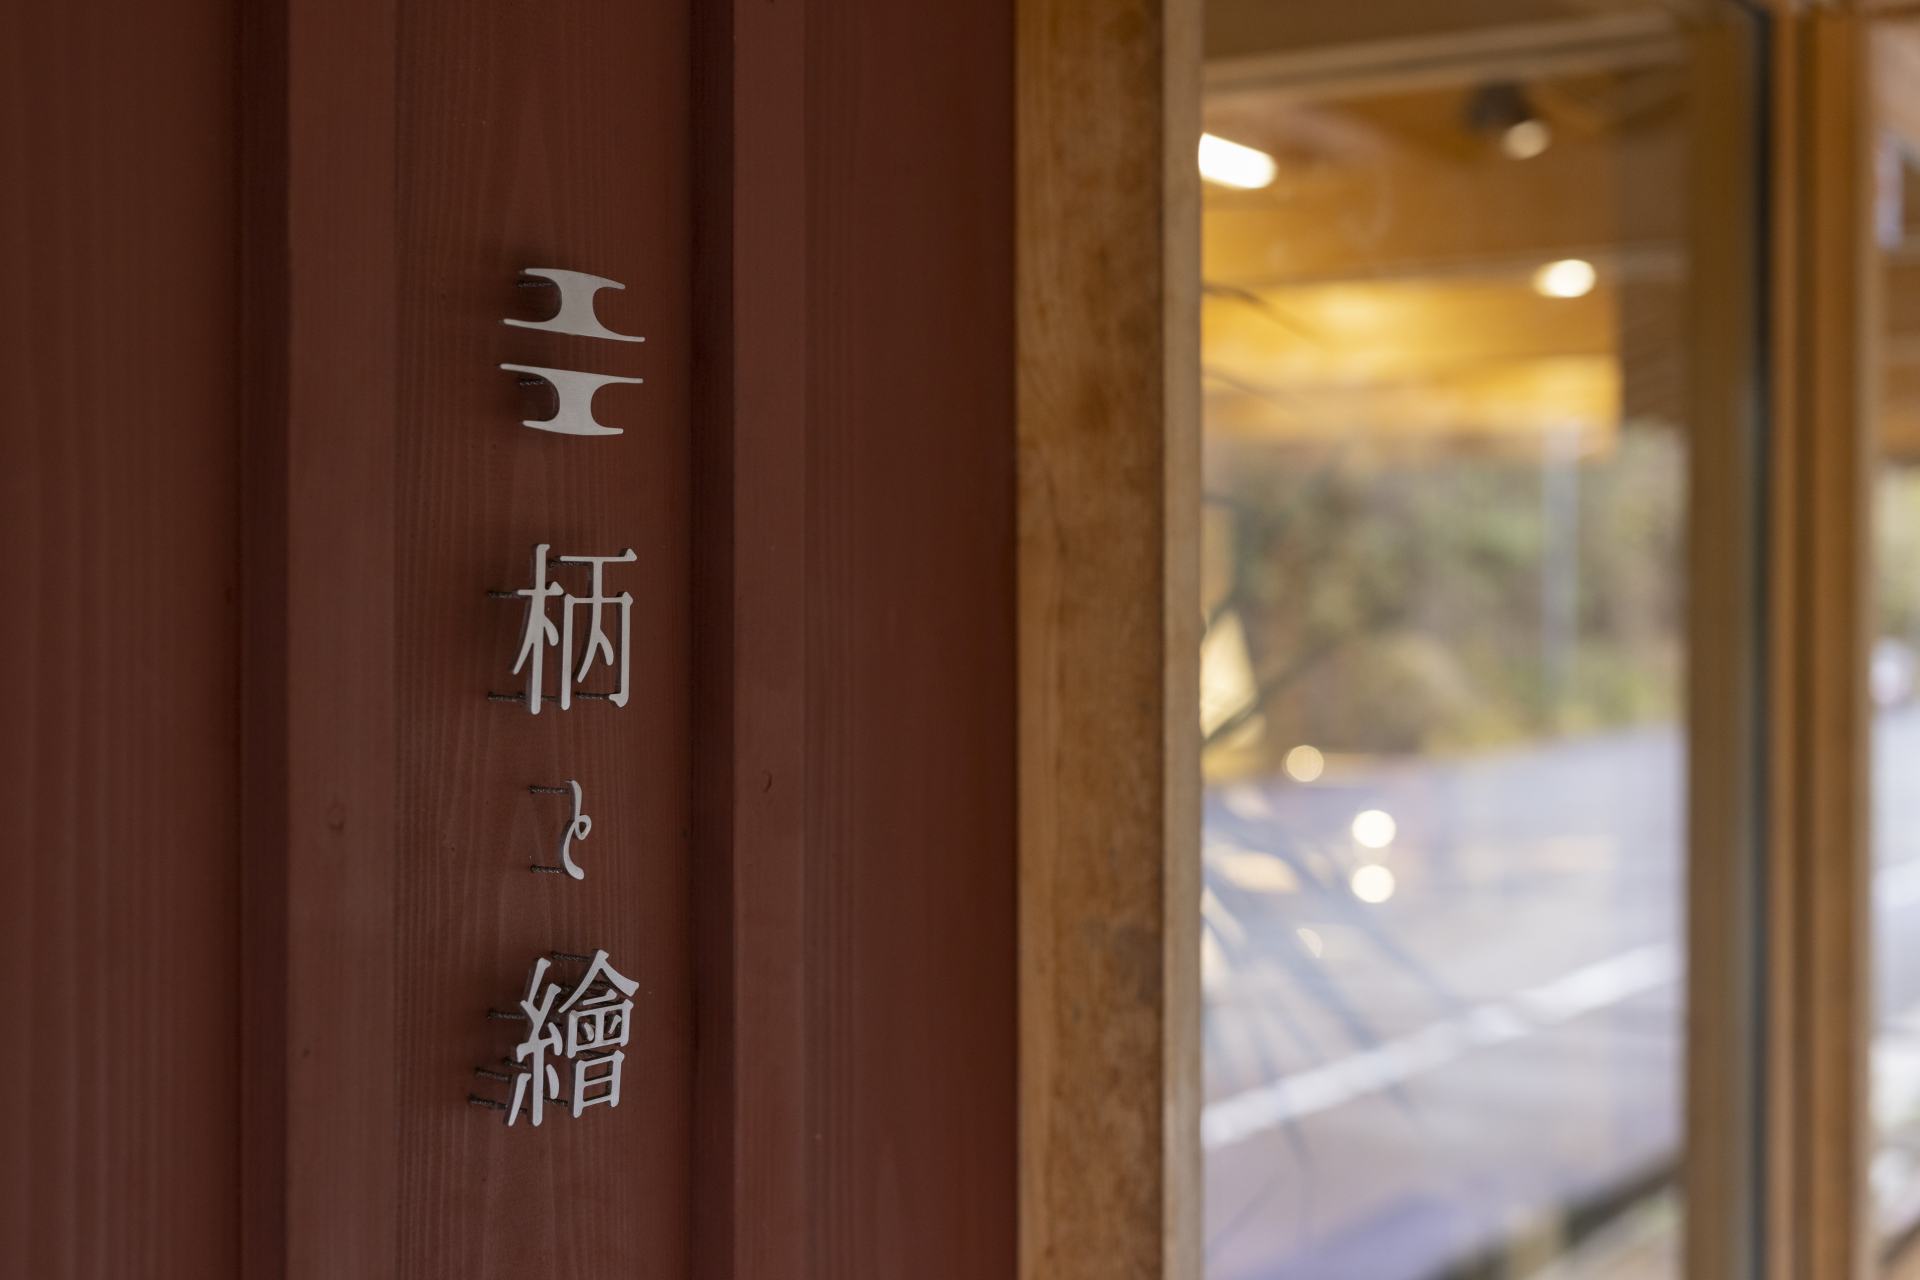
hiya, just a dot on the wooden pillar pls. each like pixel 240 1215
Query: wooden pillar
pixel 1108 277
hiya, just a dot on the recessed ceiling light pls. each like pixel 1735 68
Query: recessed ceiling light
pixel 1231 165
pixel 1567 278
pixel 1526 139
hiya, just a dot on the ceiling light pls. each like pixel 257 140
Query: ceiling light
pixel 1503 112
pixel 1526 139
pixel 1231 165
pixel 1567 278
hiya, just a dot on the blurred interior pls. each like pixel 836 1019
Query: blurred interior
pixel 1445 321
pixel 1446 317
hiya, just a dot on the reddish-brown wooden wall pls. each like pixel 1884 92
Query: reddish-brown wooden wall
pixel 540 135
pixel 241 335
pixel 912 1003
pixel 855 598
pixel 118 455
pixel 319 796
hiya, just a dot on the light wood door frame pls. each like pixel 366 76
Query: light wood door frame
pixel 1107 122
pixel 1778 871
pixel 1815 1211
pixel 1779 757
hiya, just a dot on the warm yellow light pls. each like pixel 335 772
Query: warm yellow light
pixel 1305 763
pixel 1232 165
pixel 1567 278
pixel 1371 883
pixel 1526 139
pixel 1374 828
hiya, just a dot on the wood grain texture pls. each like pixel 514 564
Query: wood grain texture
pixel 1108 279
pixel 539 134
pixel 749 625
pixel 296 486
pixel 318 789
pixel 854 640
pixel 118 513
pixel 1817 744
pixel 910 884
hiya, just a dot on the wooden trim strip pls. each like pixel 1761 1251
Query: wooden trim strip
pixel 1519 50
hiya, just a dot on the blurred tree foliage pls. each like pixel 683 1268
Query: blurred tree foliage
pixel 1437 599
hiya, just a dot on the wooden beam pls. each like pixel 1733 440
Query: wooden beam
pixel 1399 48
pixel 1336 50
pixel 1457 209
pixel 1108 463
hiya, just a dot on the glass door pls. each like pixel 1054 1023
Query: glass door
pixel 1451 392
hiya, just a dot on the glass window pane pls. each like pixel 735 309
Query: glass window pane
pixel 1446 384
pixel 1895 1169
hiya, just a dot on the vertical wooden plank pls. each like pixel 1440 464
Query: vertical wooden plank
pixel 540 135
pixel 749 624
pixel 1832 469
pixel 854 589
pixel 1109 821
pixel 910 825
pixel 317 795
pixel 1819 758
pixel 117 508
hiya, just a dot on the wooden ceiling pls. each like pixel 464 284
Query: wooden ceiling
pixel 1382 286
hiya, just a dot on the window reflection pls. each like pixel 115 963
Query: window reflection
pixel 1445 451
pixel 1895 1169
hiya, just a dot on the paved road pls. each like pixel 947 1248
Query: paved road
pixel 1397 1086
